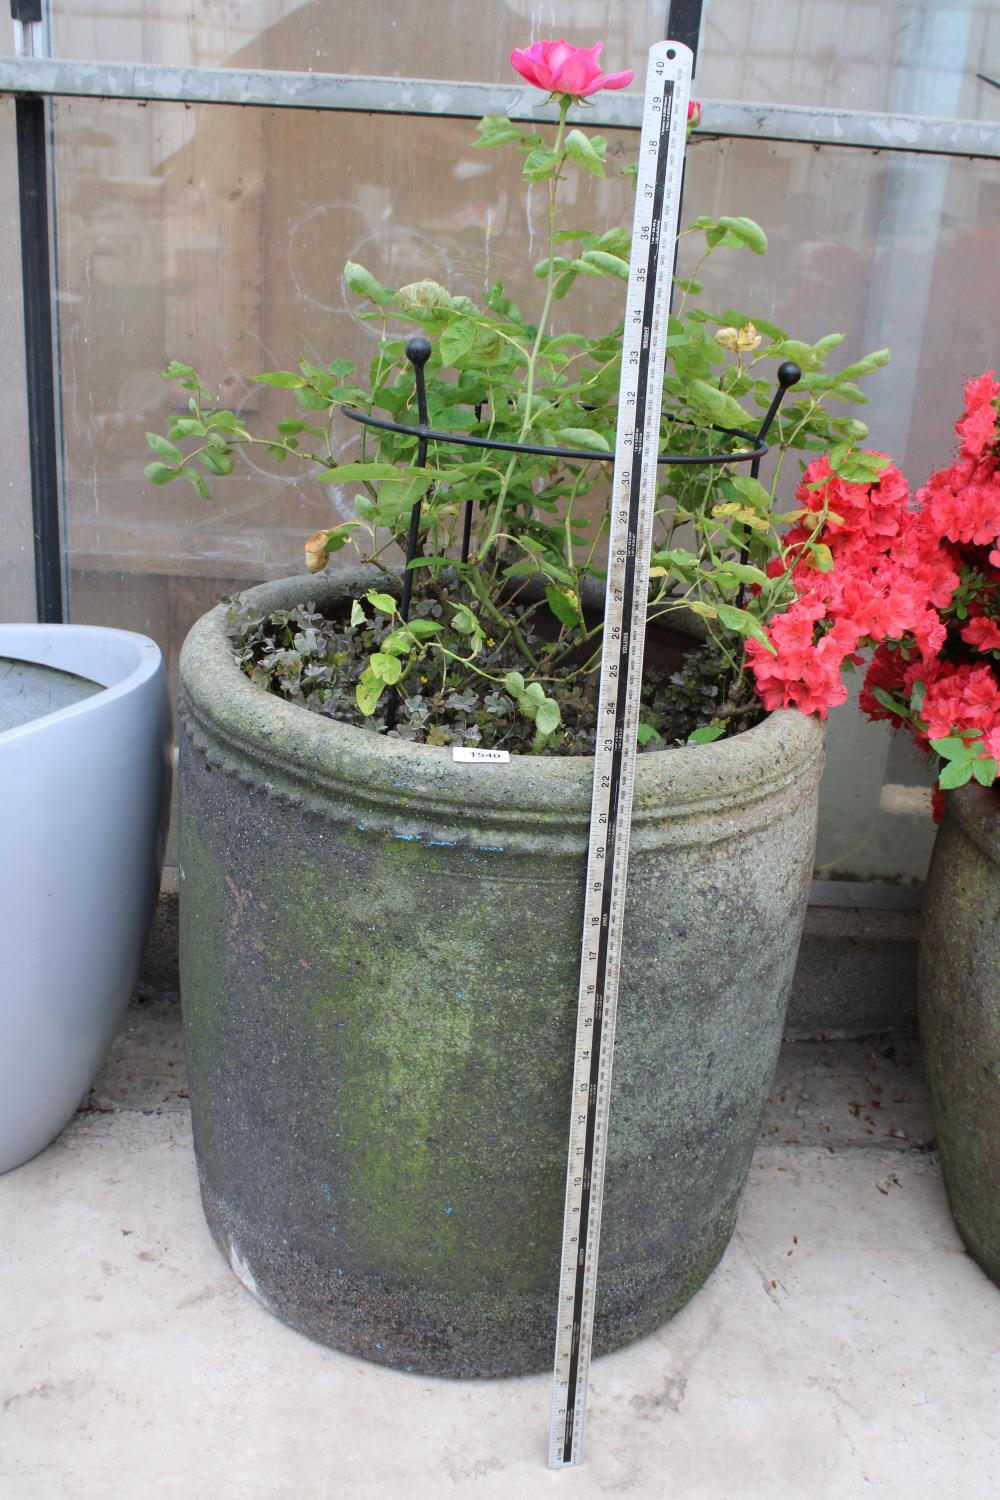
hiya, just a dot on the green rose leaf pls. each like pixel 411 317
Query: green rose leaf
pixel 745 232
pixel 558 264
pixel 706 734
pixel 160 473
pixel 613 264
pixel 752 491
pixel 563 605
pixel 465 622
pixel 497 130
pixel 723 410
pixel 371 473
pixel 386 668
pixel 586 151
pixel 547 717
pixel 866 366
pixel 540 164
pixel 456 340
pixel 164 448
pixel 282 380
pixel 744 624
pixel 617 239
pixel 383 602
pixel 368 692
pixel 195 480
pixel 363 284
pixel 582 437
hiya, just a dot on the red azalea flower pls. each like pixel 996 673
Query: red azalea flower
pixel 906 578
pixel 559 68
pixel 982 632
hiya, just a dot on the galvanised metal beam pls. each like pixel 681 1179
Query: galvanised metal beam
pixel 68 78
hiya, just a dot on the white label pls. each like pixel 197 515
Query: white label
pixel 470 753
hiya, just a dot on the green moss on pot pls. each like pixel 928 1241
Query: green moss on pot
pixel 960 1012
pixel 390 995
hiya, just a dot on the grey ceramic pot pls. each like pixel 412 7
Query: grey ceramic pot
pixel 84 800
pixel 960 1012
pixel 380 954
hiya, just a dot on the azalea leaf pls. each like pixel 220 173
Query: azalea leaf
pixel 955 773
pixel 984 769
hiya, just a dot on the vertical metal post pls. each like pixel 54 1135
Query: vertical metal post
pixel 33 198
pixel 684 18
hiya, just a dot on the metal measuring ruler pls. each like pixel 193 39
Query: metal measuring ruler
pixel 654 233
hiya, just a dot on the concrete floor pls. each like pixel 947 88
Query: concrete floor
pixel 846 1345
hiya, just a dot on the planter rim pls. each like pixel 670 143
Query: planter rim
pixel 235 722
pixel 119 661
pixel 976 810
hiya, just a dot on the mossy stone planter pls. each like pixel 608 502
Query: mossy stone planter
pixel 960 1013
pixel 380 955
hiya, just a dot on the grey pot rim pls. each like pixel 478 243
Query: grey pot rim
pixel 976 809
pixel 241 725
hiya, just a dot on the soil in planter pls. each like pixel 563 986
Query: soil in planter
pixel 30 690
pixel 307 659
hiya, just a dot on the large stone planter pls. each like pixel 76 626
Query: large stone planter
pixel 960 1013
pixel 379 959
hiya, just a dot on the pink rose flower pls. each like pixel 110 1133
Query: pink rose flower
pixel 559 68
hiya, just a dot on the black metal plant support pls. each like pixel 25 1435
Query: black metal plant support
pixel 418 352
